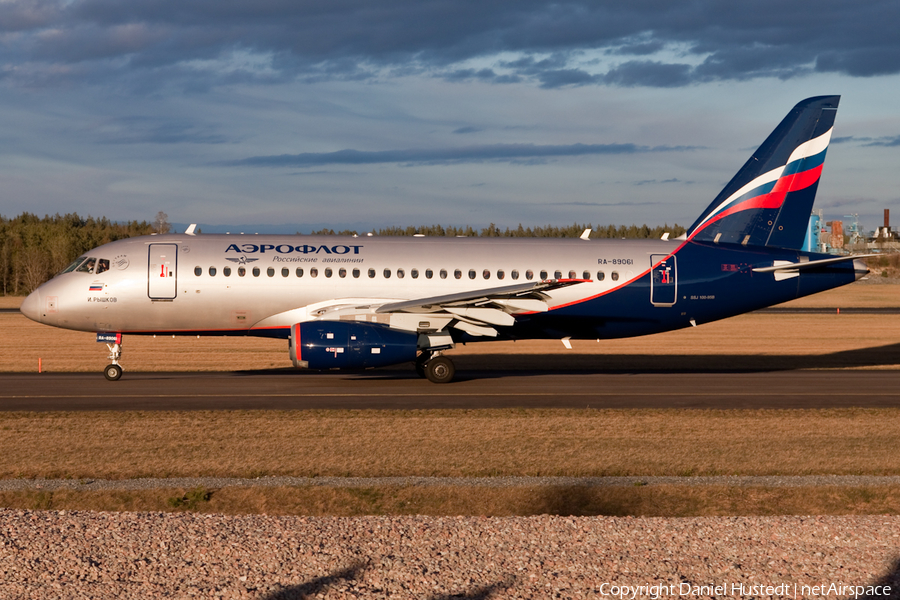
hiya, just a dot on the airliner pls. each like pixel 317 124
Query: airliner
pixel 362 302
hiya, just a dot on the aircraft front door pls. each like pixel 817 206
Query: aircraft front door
pixel 663 280
pixel 162 275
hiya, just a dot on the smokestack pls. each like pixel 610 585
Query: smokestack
pixel 887 218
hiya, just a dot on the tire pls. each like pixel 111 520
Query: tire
pixel 112 372
pixel 440 370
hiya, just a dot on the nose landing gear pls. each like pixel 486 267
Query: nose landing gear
pixel 113 371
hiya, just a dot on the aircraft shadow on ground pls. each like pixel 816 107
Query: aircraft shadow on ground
pixel 483 366
pixel 892 579
pixel 320 584
pixel 312 588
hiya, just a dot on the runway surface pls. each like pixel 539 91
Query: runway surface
pixel 288 389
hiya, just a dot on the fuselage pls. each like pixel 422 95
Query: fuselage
pixel 262 285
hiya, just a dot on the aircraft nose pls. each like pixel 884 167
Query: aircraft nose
pixel 31 306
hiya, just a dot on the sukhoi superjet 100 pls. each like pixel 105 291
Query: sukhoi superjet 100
pixel 361 302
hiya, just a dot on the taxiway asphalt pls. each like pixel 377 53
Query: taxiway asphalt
pixel 388 389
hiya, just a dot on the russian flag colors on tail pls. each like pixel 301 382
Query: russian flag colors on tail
pixel 769 201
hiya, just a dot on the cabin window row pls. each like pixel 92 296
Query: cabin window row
pixel 401 273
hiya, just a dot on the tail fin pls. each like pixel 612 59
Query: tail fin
pixel 769 201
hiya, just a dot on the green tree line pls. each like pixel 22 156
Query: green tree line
pixel 549 231
pixel 33 249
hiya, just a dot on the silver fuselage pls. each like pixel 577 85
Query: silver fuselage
pixel 163 283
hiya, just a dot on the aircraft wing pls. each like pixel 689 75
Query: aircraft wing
pixel 509 295
pixel 476 312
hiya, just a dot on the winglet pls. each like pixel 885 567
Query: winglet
pixel 586 235
pixel 190 229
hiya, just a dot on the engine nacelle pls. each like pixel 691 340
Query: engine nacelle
pixel 349 345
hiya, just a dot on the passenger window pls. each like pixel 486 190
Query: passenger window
pixel 557 275
pixel 328 272
pixel 356 273
pixel 313 272
pixel 256 271
pixel 342 273
pixel 198 271
pixel 486 274
pixel 573 275
pixel 285 272
pixel 226 271
pixel 299 272
pixel 601 275
pixel 241 271
pixel 500 274
pixel 401 273
pixel 387 273
pixel 614 275
pixel 212 271
pixel 514 274
pixel 543 275
pixel 471 273
pixel 103 265
pixel 414 273
pixel 270 272
pixel 457 274
pixel 371 273
pixel 443 274
pixel 529 274
pixel 586 275
pixel 429 273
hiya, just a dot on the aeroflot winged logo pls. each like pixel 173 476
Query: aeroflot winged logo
pixel 289 249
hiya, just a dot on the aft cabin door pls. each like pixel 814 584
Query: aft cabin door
pixel 162 271
pixel 663 280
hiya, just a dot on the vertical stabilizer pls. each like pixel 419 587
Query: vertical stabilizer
pixel 769 201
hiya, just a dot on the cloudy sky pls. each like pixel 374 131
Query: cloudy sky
pixel 363 114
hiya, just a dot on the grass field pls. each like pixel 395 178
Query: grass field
pixel 556 442
pixel 476 443
pixel 649 501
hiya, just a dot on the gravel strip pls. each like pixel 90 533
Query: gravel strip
pixel 50 554
pixel 495 482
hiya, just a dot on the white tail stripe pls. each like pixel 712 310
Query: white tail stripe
pixel 804 150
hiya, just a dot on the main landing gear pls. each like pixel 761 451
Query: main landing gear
pixel 435 367
pixel 113 371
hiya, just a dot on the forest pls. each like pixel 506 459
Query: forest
pixel 33 249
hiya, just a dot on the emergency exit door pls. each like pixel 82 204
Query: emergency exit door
pixel 663 280
pixel 162 271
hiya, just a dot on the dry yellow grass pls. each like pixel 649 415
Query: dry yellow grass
pixel 649 501
pixel 472 443
pixel 23 342
pixel 449 443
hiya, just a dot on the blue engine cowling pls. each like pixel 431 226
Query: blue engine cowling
pixel 349 345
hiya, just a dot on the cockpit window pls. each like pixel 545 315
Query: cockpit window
pixel 102 265
pixel 74 264
pixel 87 266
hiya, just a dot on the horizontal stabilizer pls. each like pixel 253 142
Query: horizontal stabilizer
pixel 811 264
